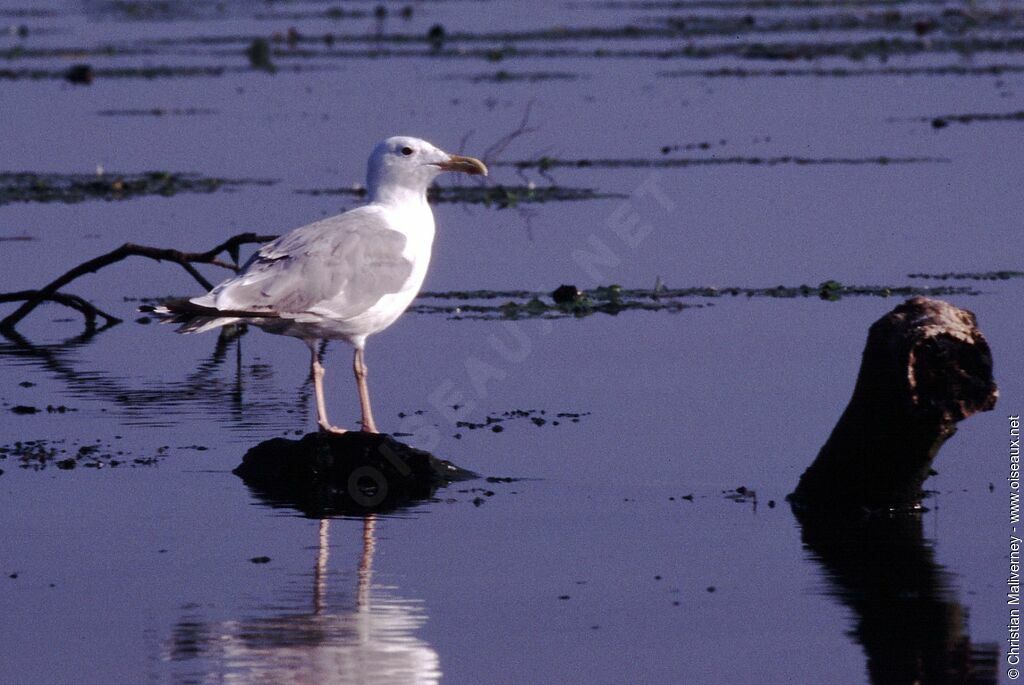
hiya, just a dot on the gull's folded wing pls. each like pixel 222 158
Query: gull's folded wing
pixel 338 268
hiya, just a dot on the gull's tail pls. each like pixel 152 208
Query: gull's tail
pixel 191 317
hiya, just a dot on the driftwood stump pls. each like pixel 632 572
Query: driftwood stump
pixel 925 367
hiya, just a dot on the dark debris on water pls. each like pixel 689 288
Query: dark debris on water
pixel 538 417
pixel 37 455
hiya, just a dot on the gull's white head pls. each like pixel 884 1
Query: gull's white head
pixel 402 166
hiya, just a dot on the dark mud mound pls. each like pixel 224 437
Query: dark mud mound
pixel 351 474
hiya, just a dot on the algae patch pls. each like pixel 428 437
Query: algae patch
pixel 984 117
pixel 546 163
pixel 497 196
pixel 971 276
pixel 502 76
pixel 70 188
pixel 569 302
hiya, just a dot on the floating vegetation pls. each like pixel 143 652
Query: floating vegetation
pixel 546 163
pixel 141 10
pixel 85 74
pixel 88 75
pixel 26 13
pixel 689 147
pixel 567 301
pixel 75 52
pixel 946 119
pixel 948 21
pixel 889 33
pixel 844 72
pixel 156 112
pixel 971 276
pixel 335 13
pixel 37 455
pixel 31 187
pixel 880 48
pixel 498 196
pixel 503 76
pixel 751 4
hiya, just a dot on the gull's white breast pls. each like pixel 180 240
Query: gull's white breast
pixel 416 223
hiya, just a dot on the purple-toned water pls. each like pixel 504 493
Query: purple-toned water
pixel 594 568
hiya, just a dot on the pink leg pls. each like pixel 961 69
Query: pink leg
pixel 359 367
pixel 317 370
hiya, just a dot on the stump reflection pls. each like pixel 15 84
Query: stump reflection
pixel 908 620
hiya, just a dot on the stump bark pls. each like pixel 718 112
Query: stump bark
pixel 925 367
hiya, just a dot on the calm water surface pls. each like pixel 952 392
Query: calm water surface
pixel 592 568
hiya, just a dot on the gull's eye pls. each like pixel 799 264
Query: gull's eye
pixel 407 151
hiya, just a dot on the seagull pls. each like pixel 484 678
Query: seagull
pixel 342 278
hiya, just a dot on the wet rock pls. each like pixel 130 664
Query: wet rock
pixel 24 409
pixel 80 73
pixel 925 367
pixel 354 473
pixel 436 36
pixel 566 294
pixel 259 55
pixel 924 26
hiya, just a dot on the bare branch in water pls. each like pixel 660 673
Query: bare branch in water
pixel 50 293
pixel 79 304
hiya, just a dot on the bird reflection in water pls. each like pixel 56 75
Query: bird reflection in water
pixel 372 640
pixel 245 395
pixel 907 618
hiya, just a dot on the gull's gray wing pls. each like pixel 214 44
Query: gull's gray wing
pixel 338 267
